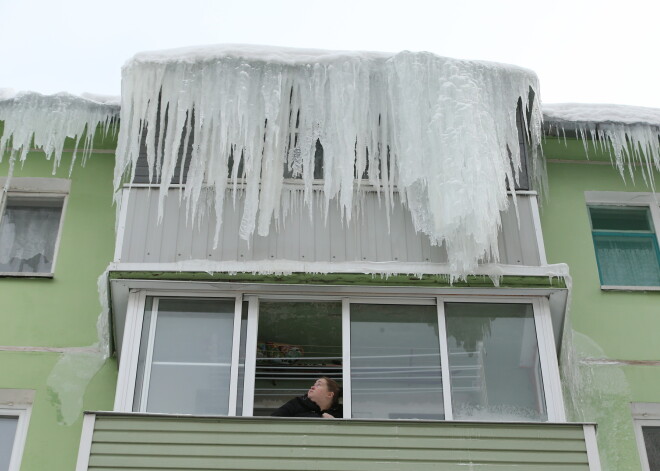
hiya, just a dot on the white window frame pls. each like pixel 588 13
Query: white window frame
pixel 645 414
pixel 136 310
pixel 627 199
pixel 127 377
pixel 17 403
pixel 37 188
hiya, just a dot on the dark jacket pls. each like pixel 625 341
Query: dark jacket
pixel 304 407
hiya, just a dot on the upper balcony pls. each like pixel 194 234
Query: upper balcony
pixel 307 236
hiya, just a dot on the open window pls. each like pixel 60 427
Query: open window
pixel 395 357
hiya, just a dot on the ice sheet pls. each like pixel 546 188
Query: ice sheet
pixel 439 129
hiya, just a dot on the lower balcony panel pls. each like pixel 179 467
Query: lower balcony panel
pixel 115 441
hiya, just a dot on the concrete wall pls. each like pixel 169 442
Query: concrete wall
pixel 49 340
pixel 611 351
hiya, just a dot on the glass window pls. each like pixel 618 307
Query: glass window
pixel 187 364
pixel 8 425
pixel 28 234
pixel 494 365
pixel 395 362
pixel 626 246
pixel 652 445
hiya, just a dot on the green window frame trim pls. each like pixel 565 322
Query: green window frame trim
pixel 609 276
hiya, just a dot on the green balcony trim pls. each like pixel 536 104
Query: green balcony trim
pixel 438 281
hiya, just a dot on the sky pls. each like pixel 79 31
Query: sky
pixel 582 50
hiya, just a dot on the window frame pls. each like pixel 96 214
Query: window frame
pixel 624 200
pixel 644 414
pixel 17 403
pixel 37 188
pixel 136 310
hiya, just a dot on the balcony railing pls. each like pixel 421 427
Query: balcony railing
pixel 372 236
pixel 143 441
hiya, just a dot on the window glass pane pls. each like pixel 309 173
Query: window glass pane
pixel 395 362
pixel 297 343
pixel 28 232
pixel 241 360
pixel 142 356
pixel 620 219
pixel 7 435
pixel 191 362
pixel 494 362
pixel 652 444
pixel 627 260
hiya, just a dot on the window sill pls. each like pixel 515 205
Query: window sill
pixel 26 275
pixel 629 288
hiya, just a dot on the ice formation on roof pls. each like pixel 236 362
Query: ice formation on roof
pixel 46 121
pixel 440 131
pixel 630 133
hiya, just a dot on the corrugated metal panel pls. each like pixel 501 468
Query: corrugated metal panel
pixel 369 236
pixel 138 442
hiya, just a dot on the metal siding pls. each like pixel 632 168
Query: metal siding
pixel 368 237
pixel 288 444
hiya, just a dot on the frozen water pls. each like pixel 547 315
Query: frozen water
pixel 630 133
pixel 440 131
pixel 46 121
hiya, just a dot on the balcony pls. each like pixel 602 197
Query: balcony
pixel 372 236
pixel 145 441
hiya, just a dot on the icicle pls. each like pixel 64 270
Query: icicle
pixel 435 129
pixel 631 134
pixel 46 121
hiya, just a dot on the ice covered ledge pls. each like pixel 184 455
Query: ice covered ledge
pixel 443 131
pixel 631 134
pixel 47 121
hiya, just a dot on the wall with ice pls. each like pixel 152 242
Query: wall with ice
pixel 631 134
pixel 440 131
pixel 46 121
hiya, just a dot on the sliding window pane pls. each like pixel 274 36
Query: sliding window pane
pixel 191 364
pixel 494 362
pixel 8 427
pixel 395 362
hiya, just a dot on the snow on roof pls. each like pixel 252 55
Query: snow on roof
pixel 601 113
pixel 438 130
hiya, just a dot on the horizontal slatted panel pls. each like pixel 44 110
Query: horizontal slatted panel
pixel 132 442
pixel 369 236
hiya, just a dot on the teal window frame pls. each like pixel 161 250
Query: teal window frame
pixel 598 235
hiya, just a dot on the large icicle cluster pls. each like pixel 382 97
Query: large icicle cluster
pixel 630 133
pixel 46 121
pixel 440 131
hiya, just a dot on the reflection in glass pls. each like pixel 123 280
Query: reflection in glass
pixel 395 362
pixel 191 364
pixel 494 362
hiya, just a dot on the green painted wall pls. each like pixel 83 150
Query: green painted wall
pixel 62 313
pixel 601 325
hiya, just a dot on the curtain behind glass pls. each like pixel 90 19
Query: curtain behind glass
pixel 629 260
pixel 28 232
pixel 494 362
pixel 395 362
